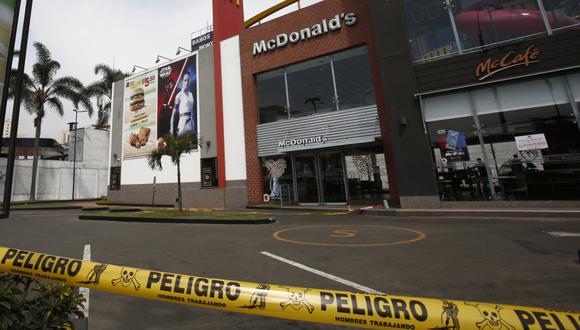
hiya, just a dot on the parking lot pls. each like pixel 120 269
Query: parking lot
pixel 532 262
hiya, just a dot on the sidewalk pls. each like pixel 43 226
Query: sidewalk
pixel 478 213
pixel 442 212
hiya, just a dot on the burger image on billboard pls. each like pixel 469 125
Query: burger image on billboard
pixel 137 99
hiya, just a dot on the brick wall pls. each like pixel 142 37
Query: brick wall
pixel 345 38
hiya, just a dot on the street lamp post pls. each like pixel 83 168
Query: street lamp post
pixel 75 126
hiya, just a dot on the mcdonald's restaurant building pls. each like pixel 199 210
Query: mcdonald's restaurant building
pixel 421 103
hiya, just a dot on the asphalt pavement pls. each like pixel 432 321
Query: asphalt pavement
pixel 530 262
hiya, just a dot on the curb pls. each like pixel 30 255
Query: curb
pixel 47 208
pixel 178 221
pixel 475 213
pixel 309 209
pixel 112 210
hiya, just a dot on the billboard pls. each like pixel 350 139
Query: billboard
pixel 159 102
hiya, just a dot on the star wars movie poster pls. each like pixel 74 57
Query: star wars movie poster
pixel 140 115
pixel 177 98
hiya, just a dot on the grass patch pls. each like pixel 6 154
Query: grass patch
pixel 196 215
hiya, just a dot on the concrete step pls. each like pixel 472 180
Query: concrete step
pixel 480 213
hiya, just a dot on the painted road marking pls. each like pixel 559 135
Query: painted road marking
pixel 85 292
pixel 279 235
pixel 323 274
pixel 563 234
pixel 344 233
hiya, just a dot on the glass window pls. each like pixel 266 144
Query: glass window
pixel 531 141
pixel 366 171
pixel 278 182
pixel 310 88
pixel 574 83
pixel 486 22
pixel 562 13
pixel 272 96
pixel 354 83
pixel 429 28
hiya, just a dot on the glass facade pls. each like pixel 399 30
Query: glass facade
pixel 442 28
pixel 310 89
pixel 516 141
pixel 337 82
pixel 355 175
pixel 272 96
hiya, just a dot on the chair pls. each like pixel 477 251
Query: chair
pixel 519 185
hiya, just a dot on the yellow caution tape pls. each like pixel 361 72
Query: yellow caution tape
pixel 312 305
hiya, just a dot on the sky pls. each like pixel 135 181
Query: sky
pixel 120 33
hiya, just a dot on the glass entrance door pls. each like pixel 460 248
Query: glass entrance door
pixel 306 179
pixel 332 177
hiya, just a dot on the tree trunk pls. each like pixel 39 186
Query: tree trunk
pixel 179 200
pixel 38 123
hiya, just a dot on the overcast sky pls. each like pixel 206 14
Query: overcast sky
pixel 120 33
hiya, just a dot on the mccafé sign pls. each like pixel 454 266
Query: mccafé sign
pixel 491 66
pixel 320 29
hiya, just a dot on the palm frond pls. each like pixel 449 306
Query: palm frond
pixel 55 103
pixel 109 74
pixel 154 159
pixel 42 53
pixel 27 83
pixel 68 82
pixel 29 104
pixel 82 99
pixel 44 73
pixel 98 89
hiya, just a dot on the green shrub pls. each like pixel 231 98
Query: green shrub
pixel 29 304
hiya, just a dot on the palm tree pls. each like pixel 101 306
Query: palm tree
pixel 174 147
pixel 43 90
pixel 102 90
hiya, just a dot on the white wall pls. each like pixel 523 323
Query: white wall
pixel 95 147
pixel 233 102
pixel 136 171
pixel 54 180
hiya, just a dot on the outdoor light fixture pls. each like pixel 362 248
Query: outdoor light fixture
pixel 179 49
pixel 135 67
pixel 159 57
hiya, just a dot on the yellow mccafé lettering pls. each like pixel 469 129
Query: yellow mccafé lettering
pixel 392 308
pixel 201 287
pixel 45 263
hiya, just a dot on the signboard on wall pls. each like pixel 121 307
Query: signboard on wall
pixel 531 142
pixel 159 102
pixel 453 147
pixel 201 42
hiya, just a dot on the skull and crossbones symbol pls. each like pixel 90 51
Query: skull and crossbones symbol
pixel 491 318
pixel 296 300
pixel 127 278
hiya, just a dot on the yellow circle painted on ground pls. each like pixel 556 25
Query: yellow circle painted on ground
pixel 420 236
